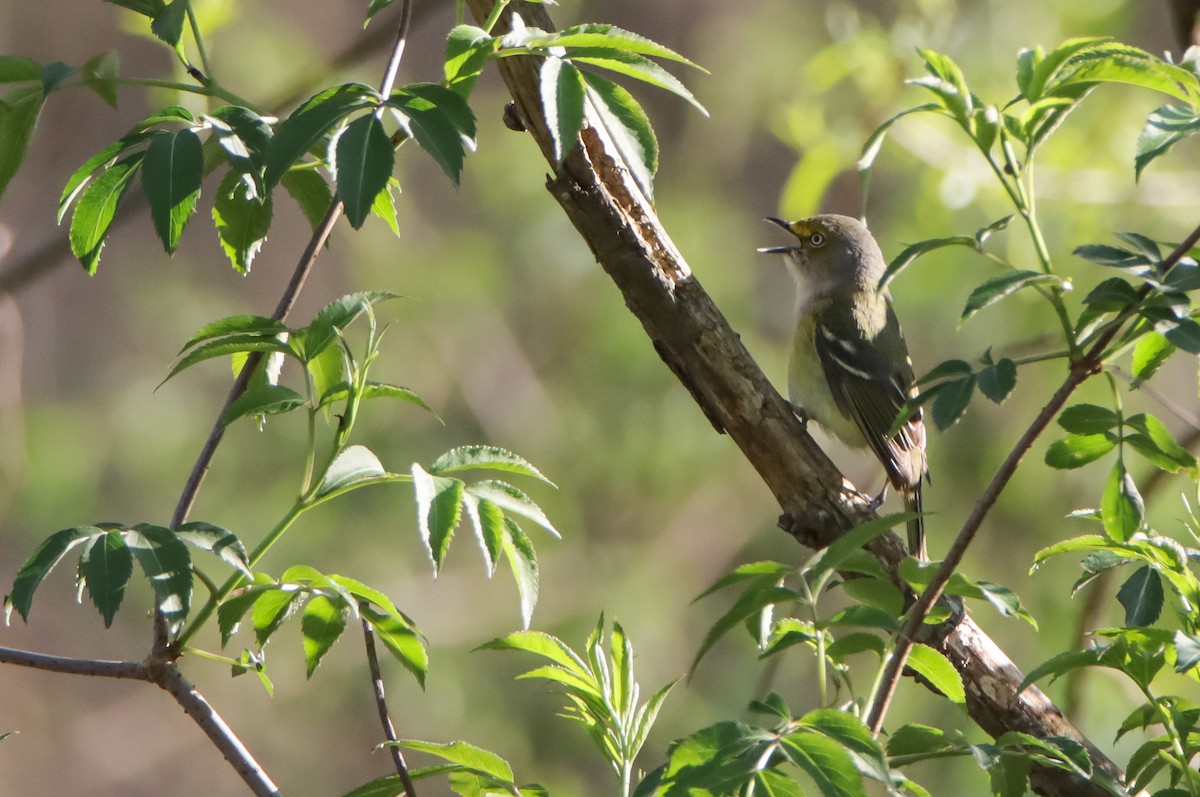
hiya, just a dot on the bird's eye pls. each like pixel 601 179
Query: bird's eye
pixel 816 239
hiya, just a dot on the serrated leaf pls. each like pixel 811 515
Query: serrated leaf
pixel 465 755
pixel 337 315
pixel 1187 651
pixel 1157 443
pixel 81 176
pixel 1075 450
pixel 19 113
pixel 232 609
pixel 1142 597
pixel 220 542
pixel 171 175
pixel 322 622
pixel 511 499
pixel 825 761
pixel 226 345
pixel 401 639
pixel 997 381
pixel 914 739
pixel 488 521
pixel 1088 419
pixel 309 123
pixel 353 465
pixel 384 206
pixel 310 191
pixel 485 458
pixel 441 123
pixel 999 287
pixel 522 560
pixel 271 609
pixel 371 390
pixel 1165 127
pixel 951 401
pixel 561 88
pixel 95 209
pixel 853 735
pixel 242 222
pixel 596 34
pixel 635 66
pixel 44 559
pixel 938 671
pixel 541 644
pixel 439 508
pixel 627 126
pixel 166 562
pixel 168 22
pixel 467 51
pixel 105 567
pixel 1121 507
pixel 236 325
pixel 919 249
pixel 363 166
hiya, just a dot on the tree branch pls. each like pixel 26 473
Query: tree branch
pixel 698 345
pixel 389 730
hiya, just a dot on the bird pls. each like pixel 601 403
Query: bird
pixel 849 368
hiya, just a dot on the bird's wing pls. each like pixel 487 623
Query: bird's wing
pixel 870 387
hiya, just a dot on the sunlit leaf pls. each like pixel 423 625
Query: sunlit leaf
pixel 166 562
pixel 242 222
pixel 105 567
pixel 938 671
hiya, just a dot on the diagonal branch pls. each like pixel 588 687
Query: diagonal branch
pixel 696 342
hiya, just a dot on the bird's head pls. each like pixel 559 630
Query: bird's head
pixel 831 253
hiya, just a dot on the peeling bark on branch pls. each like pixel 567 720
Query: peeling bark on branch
pixel 688 331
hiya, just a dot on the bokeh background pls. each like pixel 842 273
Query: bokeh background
pixel 514 336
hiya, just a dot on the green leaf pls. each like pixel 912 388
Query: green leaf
pixel 635 66
pixel 232 609
pixel 1076 450
pixel 1142 597
pixel 845 546
pixel 42 561
pixel 439 508
pixel 854 736
pixel 951 401
pixel 171 175
pixel 105 567
pixel 1121 507
pixel 1113 62
pixel 400 637
pixel 271 609
pixel 593 34
pixel 384 206
pixel 627 126
pixel 19 113
pixel 1112 295
pixel 352 466
pixel 96 208
pixel 321 624
pixel 522 560
pixel 168 22
pixel 311 193
pixel 100 73
pixel 468 49
pixel 1183 334
pixel 544 645
pixel 337 315
pixel 54 74
pixel 997 380
pixel 1165 127
pixel 363 166
pixel 488 522
pixel 749 605
pixel 825 761
pixel 1038 69
pixel 1157 444
pixel 510 499
pixel 485 458
pixel 914 739
pixel 166 562
pixel 919 249
pixel 1187 651
pixel 439 121
pixel 19 69
pixel 220 542
pixel 229 344
pixel 309 123
pixel 242 222
pixel 999 287
pixel 463 754
pixel 561 88
pixel 1115 257
pixel 1088 419
pixel 81 177
pixel 371 390
pixel 938 671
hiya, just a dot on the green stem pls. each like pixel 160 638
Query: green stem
pixel 199 40
pixel 210 90
pixel 204 654
pixel 237 579
pixel 494 17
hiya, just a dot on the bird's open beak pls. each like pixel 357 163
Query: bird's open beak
pixel 777 250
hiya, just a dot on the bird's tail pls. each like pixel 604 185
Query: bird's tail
pixel 916 527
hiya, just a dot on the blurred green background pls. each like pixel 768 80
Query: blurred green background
pixel 516 338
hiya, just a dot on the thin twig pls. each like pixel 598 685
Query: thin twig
pixel 134 670
pixel 385 719
pixel 1090 364
pixel 218 732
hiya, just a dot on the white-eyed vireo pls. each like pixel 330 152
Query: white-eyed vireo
pixel 849 367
